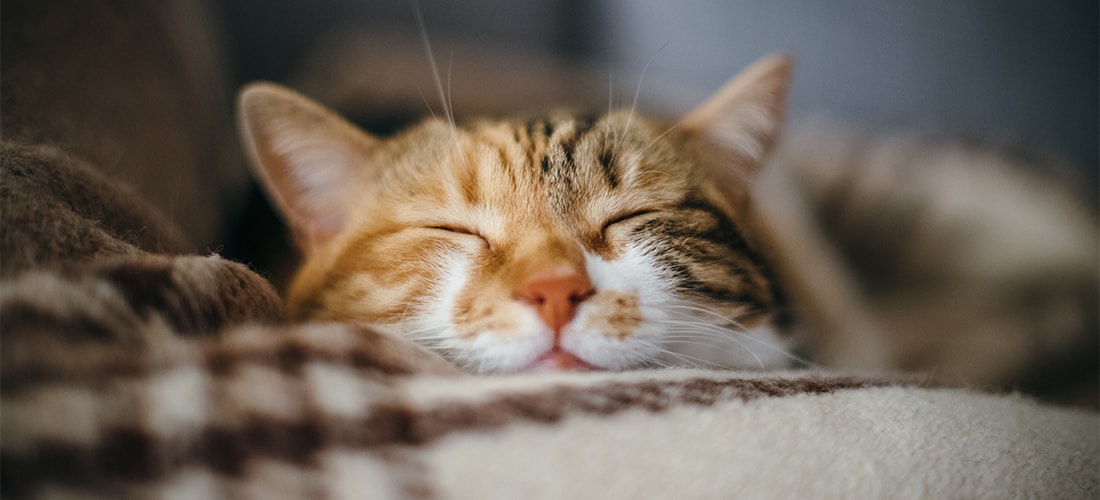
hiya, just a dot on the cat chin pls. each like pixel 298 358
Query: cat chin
pixel 559 361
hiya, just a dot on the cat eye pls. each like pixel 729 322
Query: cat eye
pixel 460 230
pixel 627 216
pixel 453 229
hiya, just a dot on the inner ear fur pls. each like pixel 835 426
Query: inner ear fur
pixel 309 160
pixel 735 129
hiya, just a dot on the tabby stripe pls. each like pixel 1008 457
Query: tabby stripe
pixel 686 250
pixel 728 232
pixel 536 125
pixel 581 127
pixel 134 455
pixel 606 160
pixel 734 237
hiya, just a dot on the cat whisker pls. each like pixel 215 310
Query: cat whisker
pixel 481 365
pixel 610 96
pixel 718 330
pixel 432 335
pixel 729 338
pixel 724 327
pixel 688 360
pixel 652 360
pixel 709 312
pixel 431 60
pixel 655 139
pixel 608 133
pixel 770 347
pixel 450 102
pixel 682 361
pixel 637 92
pixel 405 314
pixel 444 96
pixel 426 103
pixel 431 338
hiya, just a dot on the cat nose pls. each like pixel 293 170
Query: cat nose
pixel 556 293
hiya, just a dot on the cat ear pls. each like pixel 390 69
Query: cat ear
pixel 740 122
pixel 309 159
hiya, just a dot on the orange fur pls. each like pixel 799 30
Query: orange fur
pixel 491 204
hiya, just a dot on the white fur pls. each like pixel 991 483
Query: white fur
pixel 433 324
pixel 509 352
pixel 674 331
pixel 487 351
pixel 635 274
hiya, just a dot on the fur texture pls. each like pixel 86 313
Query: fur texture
pixel 440 232
pixel 890 253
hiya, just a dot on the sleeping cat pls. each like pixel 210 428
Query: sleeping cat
pixel 556 242
pixel 577 242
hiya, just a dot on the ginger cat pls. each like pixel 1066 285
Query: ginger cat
pixel 553 242
pixel 575 242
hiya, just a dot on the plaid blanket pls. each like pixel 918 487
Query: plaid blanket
pixel 130 373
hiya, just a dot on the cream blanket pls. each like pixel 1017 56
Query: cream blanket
pixel 328 411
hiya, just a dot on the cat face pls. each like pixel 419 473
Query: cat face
pixel 555 242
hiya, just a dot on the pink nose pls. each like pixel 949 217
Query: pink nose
pixel 556 293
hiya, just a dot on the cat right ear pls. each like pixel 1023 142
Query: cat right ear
pixel 739 124
pixel 309 159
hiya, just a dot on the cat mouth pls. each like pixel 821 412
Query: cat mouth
pixel 557 360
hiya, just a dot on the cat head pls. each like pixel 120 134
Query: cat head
pixel 554 242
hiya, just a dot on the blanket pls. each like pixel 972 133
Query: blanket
pixel 133 367
pixel 332 411
pixel 132 373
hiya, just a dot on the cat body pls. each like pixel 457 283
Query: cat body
pixel 574 242
pixel 971 262
pixel 553 242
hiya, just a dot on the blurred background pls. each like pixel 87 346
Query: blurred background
pixel 1016 72
pixel 1023 71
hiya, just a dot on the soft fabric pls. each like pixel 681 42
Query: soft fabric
pixel 329 411
pixel 138 90
pixel 55 208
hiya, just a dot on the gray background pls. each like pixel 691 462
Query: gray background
pixel 1017 70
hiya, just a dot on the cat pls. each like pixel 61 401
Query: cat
pixel 555 242
pixel 580 242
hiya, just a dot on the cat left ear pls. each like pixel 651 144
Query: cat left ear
pixel 741 121
pixel 309 159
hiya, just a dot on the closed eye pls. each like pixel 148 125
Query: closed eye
pixel 456 229
pixel 627 216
